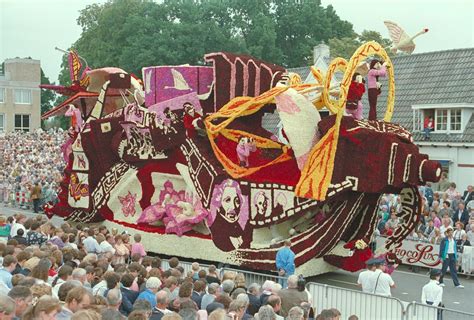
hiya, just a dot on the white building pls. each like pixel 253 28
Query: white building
pixel 20 95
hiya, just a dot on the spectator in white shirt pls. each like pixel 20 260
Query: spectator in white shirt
pixel 470 234
pixel 90 243
pixel 107 244
pixel 432 292
pixel 363 280
pixel 380 281
pixel 18 224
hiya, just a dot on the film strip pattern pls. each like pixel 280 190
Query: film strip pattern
pixel 270 202
pixel 202 173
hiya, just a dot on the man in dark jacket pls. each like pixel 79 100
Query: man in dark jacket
pixel 468 195
pixel 198 290
pixel 461 214
pixel 254 299
pixel 447 254
pixel 20 237
pixel 128 296
pixel 162 302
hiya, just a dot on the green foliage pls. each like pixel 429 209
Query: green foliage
pixel 132 34
pixel 345 47
pixel 47 96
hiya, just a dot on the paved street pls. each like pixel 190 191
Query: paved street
pixel 408 284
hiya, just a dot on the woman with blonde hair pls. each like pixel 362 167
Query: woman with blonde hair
pixel 121 250
pixel 44 308
pixel 239 281
pixel 39 290
pixel 436 236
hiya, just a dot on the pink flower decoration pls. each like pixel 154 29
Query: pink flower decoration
pixel 128 204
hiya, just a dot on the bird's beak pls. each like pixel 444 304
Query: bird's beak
pixel 426 30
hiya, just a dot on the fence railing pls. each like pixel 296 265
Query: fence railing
pixel 352 302
pixel 254 277
pixel 418 311
pixel 187 266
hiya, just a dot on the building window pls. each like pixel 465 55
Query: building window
pixel 23 96
pixel 22 122
pixel 441 120
pixel 2 122
pixel 455 120
pixel 2 95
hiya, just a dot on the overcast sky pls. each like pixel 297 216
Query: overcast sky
pixel 34 27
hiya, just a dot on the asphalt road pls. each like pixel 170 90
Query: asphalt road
pixel 408 284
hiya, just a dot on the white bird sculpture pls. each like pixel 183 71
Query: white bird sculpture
pixel 179 83
pixel 401 41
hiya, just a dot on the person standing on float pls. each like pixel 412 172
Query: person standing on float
pixel 285 263
pixel 374 87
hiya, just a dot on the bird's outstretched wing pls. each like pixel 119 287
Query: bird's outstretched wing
pixel 179 81
pixel 396 33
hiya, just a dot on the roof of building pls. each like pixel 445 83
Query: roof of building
pixel 440 77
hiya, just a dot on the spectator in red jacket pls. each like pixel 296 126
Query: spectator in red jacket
pixel 428 126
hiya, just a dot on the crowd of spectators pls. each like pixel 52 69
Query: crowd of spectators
pixel 79 272
pixel 32 166
pixel 443 208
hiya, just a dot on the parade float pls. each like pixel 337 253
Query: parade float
pixel 184 159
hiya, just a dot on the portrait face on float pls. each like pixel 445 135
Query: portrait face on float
pixel 229 204
pixel 261 203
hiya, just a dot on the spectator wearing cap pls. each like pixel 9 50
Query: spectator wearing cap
pixel 432 292
pixel 153 284
pixel 363 280
pixel 448 255
pixel 379 281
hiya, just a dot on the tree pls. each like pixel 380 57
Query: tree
pixel 47 96
pixel 132 34
pixel 345 47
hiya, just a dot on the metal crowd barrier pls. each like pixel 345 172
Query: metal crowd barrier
pixel 352 302
pixel 187 266
pixel 254 277
pixel 418 311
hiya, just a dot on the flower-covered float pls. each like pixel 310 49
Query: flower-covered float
pixel 187 161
